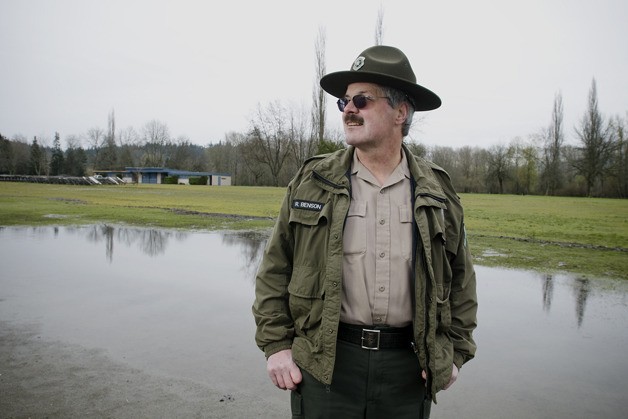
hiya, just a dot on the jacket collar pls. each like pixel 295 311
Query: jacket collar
pixel 335 169
pixel 423 174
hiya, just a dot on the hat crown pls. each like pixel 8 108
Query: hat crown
pixel 385 66
pixel 384 60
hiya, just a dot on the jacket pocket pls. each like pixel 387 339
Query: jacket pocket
pixel 310 230
pixel 354 235
pixel 306 297
pixel 444 361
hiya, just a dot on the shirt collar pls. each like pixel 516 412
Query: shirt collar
pixel 401 171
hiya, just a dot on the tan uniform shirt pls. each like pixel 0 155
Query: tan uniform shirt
pixel 377 244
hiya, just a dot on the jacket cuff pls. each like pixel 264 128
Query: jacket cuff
pixel 458 359
pixel 273 348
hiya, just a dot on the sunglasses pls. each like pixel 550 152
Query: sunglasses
pixel 359 101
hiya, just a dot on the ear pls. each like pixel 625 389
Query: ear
pixel 402 113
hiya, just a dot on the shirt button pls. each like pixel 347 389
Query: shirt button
pixel 378 319
pixel 382 288
pixel 382 254
pixel 335 284
pixel 382 222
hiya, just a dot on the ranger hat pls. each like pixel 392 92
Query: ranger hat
pixel 386 66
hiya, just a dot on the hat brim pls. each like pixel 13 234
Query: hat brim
pixel 336 85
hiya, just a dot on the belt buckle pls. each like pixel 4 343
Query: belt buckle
pixel 370 339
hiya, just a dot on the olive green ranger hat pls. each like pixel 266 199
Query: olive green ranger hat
pixel 386 66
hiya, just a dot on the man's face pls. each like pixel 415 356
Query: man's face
pixel 374 124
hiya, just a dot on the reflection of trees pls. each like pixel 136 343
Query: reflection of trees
pixel 153 242
pixel 97 233
pixel 252 244
pixel 583 289
pixel 548 291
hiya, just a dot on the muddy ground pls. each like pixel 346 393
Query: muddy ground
pixel 47 379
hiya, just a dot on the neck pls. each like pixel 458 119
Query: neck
pixel 381 163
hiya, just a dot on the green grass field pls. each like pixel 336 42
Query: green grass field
pixel 587 236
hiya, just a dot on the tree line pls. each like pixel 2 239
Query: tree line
pixel 282 136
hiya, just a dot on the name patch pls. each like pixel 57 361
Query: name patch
pixel 307 205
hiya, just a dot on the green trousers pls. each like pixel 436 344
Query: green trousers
pixel 367 385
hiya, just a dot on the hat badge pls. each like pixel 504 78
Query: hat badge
pixel 358 63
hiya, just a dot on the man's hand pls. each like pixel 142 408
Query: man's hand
pixel 454 376
pixel 282 370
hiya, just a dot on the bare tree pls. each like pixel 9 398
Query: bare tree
pixel 619 170
pixel 156 139
pixel 379 27
pixel 270 140
pixel 108 156
pixel 498 165
pixel 95 137
pixel 226 157
pixel 303 144
pixel 445 157
pixel 552 175
pixel 319 97
pixel 596 148
pixel 525 166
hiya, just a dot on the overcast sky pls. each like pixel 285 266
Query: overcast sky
pixel 202 69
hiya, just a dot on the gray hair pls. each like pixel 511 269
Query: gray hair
pixel 395 98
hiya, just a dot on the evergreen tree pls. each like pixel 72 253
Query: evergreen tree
pixel 37 158
pixel 75 161
pixel 56 161
pixel 6 155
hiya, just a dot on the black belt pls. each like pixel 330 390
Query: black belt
pixel 374 337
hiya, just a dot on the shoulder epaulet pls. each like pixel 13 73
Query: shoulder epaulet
pixel 436 167
pixel 316 157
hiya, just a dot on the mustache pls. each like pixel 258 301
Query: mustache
pixel 353 118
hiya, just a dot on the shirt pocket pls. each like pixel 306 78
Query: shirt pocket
pixel 354 236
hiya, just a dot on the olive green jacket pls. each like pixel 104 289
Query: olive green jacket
pixel 298 284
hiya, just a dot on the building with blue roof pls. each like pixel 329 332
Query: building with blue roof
pixel 157 175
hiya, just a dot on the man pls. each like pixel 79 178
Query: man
pixel 365 298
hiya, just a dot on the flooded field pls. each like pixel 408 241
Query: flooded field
pixel 127 322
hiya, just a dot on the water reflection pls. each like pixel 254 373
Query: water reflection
pixel 252 244
pixel 179 303
pixel 581 290
pixel 154 242
pixel 548 291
